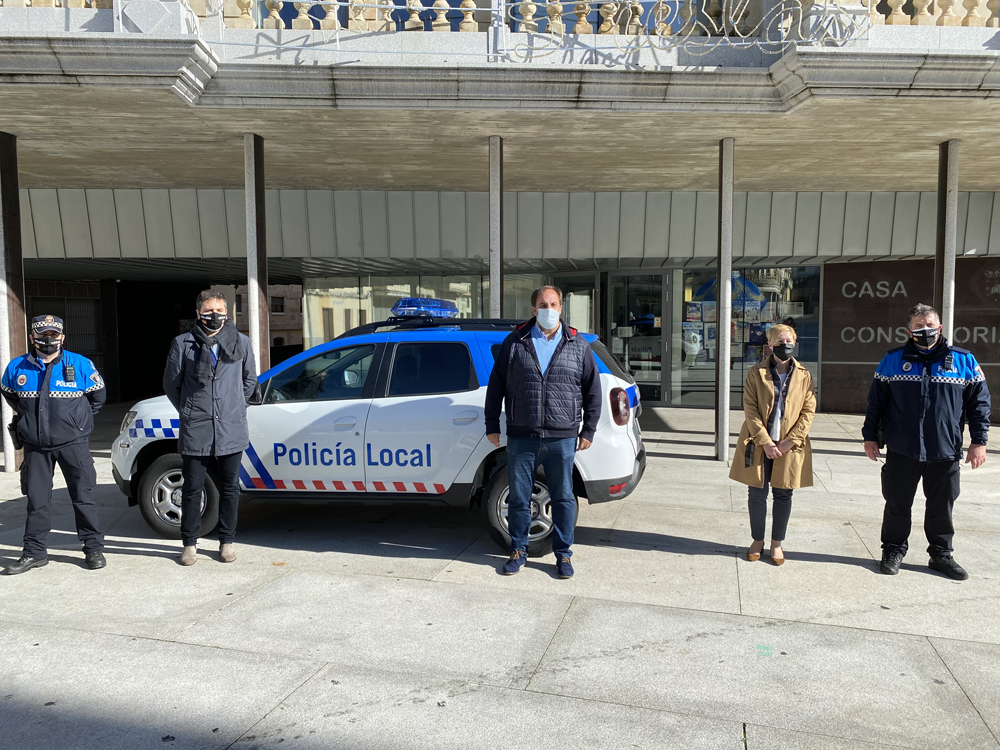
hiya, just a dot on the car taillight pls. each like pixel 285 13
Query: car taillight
pixel 617 489
pixel 619 405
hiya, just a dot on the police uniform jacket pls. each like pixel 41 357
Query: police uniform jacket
pixel 919 402
pixel 55 403
pixel 213 417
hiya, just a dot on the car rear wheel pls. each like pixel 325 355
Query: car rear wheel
pixel 160 498
pixel 496 506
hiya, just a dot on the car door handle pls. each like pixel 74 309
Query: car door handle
pixel 466 417
pixel 345 423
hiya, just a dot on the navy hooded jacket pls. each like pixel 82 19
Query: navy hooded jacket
pixel 921 401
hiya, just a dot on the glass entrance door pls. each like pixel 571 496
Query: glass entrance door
pixel 635 329
pixel 580 299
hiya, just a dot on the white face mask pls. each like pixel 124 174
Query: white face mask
pixel 548 318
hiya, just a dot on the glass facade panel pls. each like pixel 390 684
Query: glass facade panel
pixel 331 307
pixel 762 297
pixel 636 331
pixel 579 301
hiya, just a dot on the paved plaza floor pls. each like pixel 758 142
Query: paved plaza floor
pixel 387 629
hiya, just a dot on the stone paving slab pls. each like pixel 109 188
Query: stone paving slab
pixel 63 688
pixel 348 708
pixel 405 626
pixel 769 738
pixel 841 682
pixel 974 665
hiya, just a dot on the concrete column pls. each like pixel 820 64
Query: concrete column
pixel 947 235
pixel 13 336
pixel 258 310
pixel 724 300
pixel 496 226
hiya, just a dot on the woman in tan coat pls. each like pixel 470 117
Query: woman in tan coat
pixel 773 449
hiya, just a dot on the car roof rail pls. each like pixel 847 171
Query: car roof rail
pixel 415 322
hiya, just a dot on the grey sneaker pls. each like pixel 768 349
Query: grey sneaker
pixel 189 556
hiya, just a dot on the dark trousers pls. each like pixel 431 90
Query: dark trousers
pixel 523 457
pixel 781 510
pixel 77 466
pixel 226 474
pixel 900 476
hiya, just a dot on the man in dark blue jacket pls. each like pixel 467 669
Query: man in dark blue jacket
pixel 546 375
pixel 56 395
pixel 921 398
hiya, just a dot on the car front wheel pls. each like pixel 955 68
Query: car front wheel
pixel 496 508
pixel 160 498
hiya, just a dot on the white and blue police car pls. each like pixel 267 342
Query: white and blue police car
pixel 388 413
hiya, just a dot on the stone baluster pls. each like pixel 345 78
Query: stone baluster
pixel 714 13
pixel 273 20
pixel 972 17
pixel 330 22
pixel 468 22
pixel 661 19
pixel 302 20
pixel 688 13
pixel 14 4
pixel 384 21
pixel 107 4
pixel 609 25
pixel 528 23
pixel 633 26
pixel 73 4
pixel 993 21
pixel 555 13
pixel 414 22
pixel 897 17
pixel 923 16
pixel 244 20
pixel 441 22
pixel 948 16
pixel 874 17
pixel 43 3
pixel 582 25
pixel 356 20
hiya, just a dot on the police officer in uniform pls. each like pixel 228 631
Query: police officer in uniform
pixel 55 395
pixel 922 396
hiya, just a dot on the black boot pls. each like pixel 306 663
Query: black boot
pixel 948 566
pixel 95 560
pixel 24 564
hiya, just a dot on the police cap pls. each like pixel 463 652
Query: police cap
pixel 46 323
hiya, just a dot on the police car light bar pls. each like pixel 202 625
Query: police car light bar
pixel 425 306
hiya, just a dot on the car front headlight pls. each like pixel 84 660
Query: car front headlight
pixel 129 419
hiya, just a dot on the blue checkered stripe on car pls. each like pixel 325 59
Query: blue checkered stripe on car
pixel 155 428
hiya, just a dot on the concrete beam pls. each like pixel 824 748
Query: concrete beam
pixel 724 300
pixel 13 336
pixel 258 310
pixel 946 249
pixel 496 226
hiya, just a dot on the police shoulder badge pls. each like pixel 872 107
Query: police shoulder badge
pixel 907 366
pixel 96 378
pixel 22 379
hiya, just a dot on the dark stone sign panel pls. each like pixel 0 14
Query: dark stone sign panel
pixel 864 316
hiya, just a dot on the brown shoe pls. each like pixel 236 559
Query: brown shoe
pixel 780 558
pixel 227 552
pixel 754 556
pixel 189 556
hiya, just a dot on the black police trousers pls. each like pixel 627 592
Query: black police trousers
pixel 900 476
pixel 36 481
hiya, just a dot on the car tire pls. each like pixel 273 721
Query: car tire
pixel 160 502
pixel 494 515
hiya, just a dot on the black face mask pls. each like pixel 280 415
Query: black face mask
pixel 212 321
pixel 926 337
pixel 783 351
pixel 47 345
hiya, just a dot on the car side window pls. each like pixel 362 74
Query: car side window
pixel 331 376
pixel 422 369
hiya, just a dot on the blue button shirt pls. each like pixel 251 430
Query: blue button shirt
pixel 544 348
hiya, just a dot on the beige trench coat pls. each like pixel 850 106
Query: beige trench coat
pixel 794 469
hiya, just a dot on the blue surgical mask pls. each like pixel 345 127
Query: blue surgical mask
pixel 548 318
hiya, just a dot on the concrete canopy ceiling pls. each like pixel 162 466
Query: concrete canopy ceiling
pixel 147 138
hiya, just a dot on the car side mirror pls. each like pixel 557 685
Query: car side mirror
pixel 350 378
pixel 257 397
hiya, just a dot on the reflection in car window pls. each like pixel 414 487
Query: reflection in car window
pixel 331 376
pixel 420 369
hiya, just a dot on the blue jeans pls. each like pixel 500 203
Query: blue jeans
pixel 523 457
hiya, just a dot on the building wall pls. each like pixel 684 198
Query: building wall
pixel 559 228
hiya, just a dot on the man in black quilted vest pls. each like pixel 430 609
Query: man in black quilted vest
pixel 546 376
